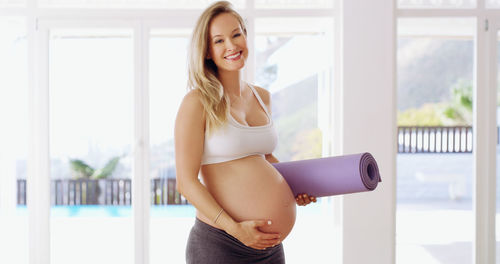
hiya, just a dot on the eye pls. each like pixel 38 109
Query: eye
pixel 237 35
pixel 218 41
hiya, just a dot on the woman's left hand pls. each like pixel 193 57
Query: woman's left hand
pixel 304 199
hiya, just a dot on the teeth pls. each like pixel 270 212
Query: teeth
pixel 233 56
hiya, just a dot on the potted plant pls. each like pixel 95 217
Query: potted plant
pixel 81 170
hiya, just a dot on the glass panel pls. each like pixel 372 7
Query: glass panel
pixel 437 4
pixel 171 217
pixel 12 3
pixel 294 4
pixel 435 221
pixel 180 4
pixel 14 138
pixel 91 125
pixel 492 3
pixel 498 151
pixel 297 77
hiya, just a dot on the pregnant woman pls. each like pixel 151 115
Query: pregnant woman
pixel 224 133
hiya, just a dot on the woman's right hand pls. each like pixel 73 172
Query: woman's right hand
pixel 249 234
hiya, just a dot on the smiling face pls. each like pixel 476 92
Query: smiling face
pixel 227 43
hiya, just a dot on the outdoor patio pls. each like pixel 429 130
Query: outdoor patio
pixel 434 221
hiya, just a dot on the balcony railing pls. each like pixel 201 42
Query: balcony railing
pixel 435 139
pixel 425 139
pixel 104 192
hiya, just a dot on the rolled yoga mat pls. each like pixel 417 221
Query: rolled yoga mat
pixel 331 176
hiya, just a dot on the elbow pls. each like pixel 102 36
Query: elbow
pixel 179 186
pixel 182 186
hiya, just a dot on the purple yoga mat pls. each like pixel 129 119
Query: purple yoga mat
pixel 332 175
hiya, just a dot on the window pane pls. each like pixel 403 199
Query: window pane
pixel 171 217
pixel 492 3
pixel 435 221
pixel 91 124
pixel 180 4
pixel 293 4
pixel 12 3
pixel 14 138
pixel 297 77
pixel 436 3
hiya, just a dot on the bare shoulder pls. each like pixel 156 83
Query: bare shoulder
pixel 192 97
pixel 264 94
pixel 192 100
pixel 191 106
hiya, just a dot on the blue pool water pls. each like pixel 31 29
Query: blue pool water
pixel 323 208
pixel 114 211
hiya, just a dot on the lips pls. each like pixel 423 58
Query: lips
pixel 233 56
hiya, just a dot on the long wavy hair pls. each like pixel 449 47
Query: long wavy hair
pixel 203 72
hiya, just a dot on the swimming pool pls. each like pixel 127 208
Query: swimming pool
pixel 322 208
pixel 114 211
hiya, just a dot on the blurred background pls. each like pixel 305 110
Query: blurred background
pixel 111 82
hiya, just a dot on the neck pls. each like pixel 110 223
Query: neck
pixel 232 83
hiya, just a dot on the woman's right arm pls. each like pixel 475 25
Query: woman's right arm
pixel 189 140
pixel 189 137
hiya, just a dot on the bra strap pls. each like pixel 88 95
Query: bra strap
pixel 260 100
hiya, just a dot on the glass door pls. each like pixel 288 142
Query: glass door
pixel 14 135
pixel 171 216
pixel 434 207
pixel 90 120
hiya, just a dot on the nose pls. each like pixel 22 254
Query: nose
pixel 230 44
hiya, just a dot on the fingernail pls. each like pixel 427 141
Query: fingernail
pixel 269 222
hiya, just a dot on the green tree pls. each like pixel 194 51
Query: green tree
pixel 459 110
pixel 81 169
pixel 456 112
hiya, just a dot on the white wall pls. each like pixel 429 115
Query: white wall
pixel 366 103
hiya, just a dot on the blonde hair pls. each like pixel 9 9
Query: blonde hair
pixel 203 72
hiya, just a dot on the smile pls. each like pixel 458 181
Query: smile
pixel 234 56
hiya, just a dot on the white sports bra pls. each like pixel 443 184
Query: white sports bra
pixel 234 140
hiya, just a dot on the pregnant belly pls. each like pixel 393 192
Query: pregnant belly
pixel 259 193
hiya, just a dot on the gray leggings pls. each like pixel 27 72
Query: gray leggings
pixel 209 245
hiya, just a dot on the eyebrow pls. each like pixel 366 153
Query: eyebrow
pixel 231 32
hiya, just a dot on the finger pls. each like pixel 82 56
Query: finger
pixel 267 236
pixel 258 223
pixel 269 243
pixel 306 198
pixel 311 198
pixel 299 200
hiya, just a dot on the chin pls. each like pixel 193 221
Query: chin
pixel 233 68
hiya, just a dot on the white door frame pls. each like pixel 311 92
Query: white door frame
pixel 493 29
pixel 39 176
pixel 484 124
pixel 485 138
